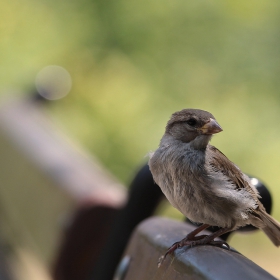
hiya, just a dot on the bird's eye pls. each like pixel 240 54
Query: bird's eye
pixel 191 122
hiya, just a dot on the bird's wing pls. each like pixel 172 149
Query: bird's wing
pixel 220 163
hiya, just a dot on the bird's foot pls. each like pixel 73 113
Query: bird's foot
pixel 208 240
pixel 193 241
pixel 187 241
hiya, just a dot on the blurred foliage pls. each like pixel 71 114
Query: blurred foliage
pixel 133 63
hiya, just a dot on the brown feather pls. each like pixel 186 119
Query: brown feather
pixel 222 164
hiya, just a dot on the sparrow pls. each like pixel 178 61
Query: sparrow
pixel 203 184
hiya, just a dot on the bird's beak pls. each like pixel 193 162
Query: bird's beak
pixel 211 127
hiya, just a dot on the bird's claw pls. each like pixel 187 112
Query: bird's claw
pixel 169 251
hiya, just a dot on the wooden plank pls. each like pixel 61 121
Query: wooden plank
pixel 47 180
pixel 31 132
pixel 155 235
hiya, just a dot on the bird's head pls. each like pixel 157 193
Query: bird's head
pixel 193 126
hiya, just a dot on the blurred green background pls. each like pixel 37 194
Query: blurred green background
pixel 133 63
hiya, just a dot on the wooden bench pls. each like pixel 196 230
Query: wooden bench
pixel 155 235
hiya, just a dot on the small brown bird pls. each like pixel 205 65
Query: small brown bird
pixel 203 184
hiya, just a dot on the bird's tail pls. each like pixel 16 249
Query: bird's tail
pixel 271 228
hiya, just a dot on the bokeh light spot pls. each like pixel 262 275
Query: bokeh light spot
pixel 53 82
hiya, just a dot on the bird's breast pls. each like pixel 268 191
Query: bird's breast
pixel 182 176
pixel 179 171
